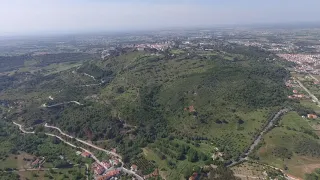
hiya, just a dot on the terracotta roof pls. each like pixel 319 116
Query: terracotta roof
pixel 85 154
pixel 191 109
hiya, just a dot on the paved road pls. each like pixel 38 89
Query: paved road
pixel 101 149
pixel 84 142
pixel 21 129
pixel 310 94
pixel 68 143
pixel 131 172
pixel 258 139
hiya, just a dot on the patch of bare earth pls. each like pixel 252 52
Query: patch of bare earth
pixel 306 165
pixel 249 171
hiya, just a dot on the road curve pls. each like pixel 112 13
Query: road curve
pixel 84 142
pixel 68 143
pixel 21 129
pixel 98 148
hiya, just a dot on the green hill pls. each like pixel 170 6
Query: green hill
pixel 195 100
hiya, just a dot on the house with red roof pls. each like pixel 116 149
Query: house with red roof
pixel 109 174
pixel 191 108
pixel 312 116
pixel 85 154
pixel 35 163
pixel 194 176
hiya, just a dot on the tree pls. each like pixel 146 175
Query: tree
pixel 187 172
pixel 193 155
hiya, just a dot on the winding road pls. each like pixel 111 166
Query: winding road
pixel 86 143
pixel 68 143
pixel 21 129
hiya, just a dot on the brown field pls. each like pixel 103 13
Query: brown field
pixel 21 163
pixel 249 171
pixel 302 165
pixel 298 166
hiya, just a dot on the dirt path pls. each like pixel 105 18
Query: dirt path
pixel 248 177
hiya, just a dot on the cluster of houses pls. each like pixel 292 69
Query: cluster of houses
pixel 99 170
pixel 109 175
pixel 159 46
pixel 296 95
pixel 305 62
pixel 101 173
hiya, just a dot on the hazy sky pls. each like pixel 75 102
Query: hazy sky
pixel 35 16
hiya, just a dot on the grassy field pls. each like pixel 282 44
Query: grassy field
pixel 165 171
pixel 164 153
pixel 251 170
pixel 177 51
pixel 283 147
pixel 293 121
pixel 57 174
pixel 30 67
pixel 19 161
pixel 10 162
pixel 309 104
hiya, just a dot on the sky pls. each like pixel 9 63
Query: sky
pixel 54 16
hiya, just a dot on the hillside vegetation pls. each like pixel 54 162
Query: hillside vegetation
pixel 183 104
